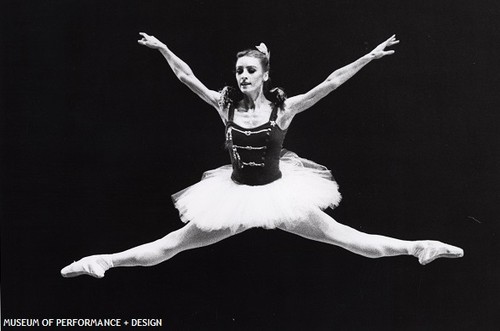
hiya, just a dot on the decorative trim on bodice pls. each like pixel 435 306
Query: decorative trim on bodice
pixel 231 126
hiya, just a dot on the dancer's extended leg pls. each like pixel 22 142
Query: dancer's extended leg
pixel 321 227
pixel 149 254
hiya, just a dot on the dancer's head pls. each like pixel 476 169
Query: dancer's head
pixel 252 69
pixel 252 76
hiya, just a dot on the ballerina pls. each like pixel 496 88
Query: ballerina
pixel 265 186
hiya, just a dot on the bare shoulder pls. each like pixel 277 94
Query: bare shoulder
pixel 213 98
pixel 285 116
pixel 294 105
pixel 221 107
pixel 223 113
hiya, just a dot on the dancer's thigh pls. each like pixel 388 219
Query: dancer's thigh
pixel 319 226
pixel 190 236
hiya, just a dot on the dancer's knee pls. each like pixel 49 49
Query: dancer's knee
pixel 315 225
pixel 170 244
pixel 188 237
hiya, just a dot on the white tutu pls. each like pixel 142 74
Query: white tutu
pixel 217 202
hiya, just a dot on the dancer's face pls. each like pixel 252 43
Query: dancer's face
pixel 250 75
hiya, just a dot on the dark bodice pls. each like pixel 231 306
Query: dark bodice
pixel 255 152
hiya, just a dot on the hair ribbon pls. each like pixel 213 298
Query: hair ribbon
pixel 263 49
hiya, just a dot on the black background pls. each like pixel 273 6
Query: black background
pixel 97 134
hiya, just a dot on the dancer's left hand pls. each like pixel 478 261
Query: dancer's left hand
pixel 150 41
pixel 380 51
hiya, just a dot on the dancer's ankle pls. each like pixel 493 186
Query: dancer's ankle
pixel 108 259
pixel 416 247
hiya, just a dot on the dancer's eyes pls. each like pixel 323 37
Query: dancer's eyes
pixel 250 70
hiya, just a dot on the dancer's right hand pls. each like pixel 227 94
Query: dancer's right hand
pixel 150 41
pixel 380 51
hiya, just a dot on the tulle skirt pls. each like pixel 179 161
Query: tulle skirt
pixel 217 202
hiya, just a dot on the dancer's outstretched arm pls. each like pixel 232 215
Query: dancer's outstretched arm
pixel 182 70
pixel 299 103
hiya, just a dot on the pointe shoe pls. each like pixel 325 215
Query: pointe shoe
pixel 95 266
pixel 428 251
